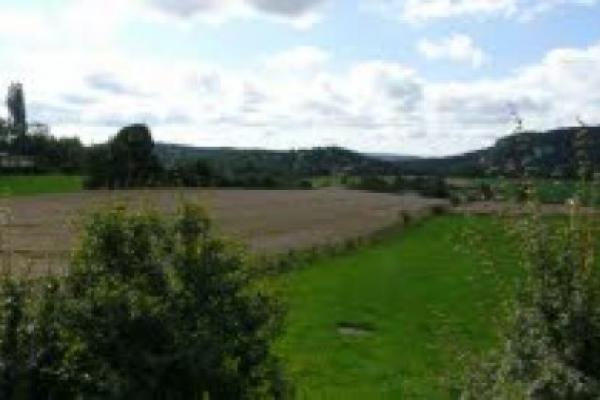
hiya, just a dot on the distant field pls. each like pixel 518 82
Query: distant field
pixel 420 302
pixel 548 191
pixel 268 220
pixel 23 185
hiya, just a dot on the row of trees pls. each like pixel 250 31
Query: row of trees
pixel 130 159
pixel 33 140
pixel 427 186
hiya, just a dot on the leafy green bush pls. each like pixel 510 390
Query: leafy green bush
pixel 153 308
pixel 552 347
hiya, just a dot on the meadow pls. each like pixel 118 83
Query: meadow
pixel 397 319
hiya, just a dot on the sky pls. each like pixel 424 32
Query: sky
pixel 419 77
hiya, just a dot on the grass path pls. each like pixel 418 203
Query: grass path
pixel 426 302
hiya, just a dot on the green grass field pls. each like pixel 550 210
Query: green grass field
pixel 425 302
pixel 19 185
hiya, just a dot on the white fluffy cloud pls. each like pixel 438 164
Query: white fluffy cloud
pixel 303 58
pixel 420 11
pixel 372 105
pixel 296 98
pixel 457 48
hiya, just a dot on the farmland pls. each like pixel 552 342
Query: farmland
pixel 42 227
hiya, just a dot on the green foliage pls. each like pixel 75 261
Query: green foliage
pixel 319 161
pixel 126 161
pixel 552 347
pixel 152 308
pixel 427 186
pixel 50 154
pixel 20 185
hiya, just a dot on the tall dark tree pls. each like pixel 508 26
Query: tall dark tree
pixel 15 101
pixel 127 160
pixel 3 131
pixel 132 152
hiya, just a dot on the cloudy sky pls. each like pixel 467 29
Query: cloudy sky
pixel 427 77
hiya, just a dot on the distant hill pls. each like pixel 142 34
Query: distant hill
pixel 554 153
pixel 391 157
pixel 318 161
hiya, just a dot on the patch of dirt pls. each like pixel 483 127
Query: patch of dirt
pixel 355 329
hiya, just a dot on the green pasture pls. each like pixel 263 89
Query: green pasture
pixel 396 319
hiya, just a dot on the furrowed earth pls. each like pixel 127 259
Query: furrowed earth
pixel 40 231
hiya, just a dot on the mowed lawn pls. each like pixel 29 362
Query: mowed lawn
pixel 20 185
pixel 423 304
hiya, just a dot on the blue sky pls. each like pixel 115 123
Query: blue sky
pixel 428 77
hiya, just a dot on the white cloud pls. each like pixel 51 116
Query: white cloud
pixel 421 11
pixel 298 59
pixel 457 48
pixel 296 98
pixel 372 105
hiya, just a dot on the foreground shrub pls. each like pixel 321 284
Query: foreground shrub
pixel 152 308
pixel 552 346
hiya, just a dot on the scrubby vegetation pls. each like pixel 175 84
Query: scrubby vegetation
pixel 151 308
pixel 551 348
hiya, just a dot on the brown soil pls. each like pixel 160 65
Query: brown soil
pixel 42 229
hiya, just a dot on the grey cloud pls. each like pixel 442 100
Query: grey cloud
pixel 479 109
pixel 252 99
pixel 108 83
pixel 116 120
pixel 185 8
pixel 177 118
pixel 53 114
pixel 285 8
pixel 78 100
pixel 209 83
pixel 289 8
pixel 119 120
pixel 408 94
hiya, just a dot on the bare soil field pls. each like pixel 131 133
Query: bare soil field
pixel 42 230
